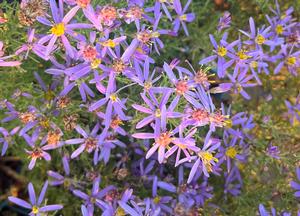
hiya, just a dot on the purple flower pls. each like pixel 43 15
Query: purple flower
pixel 88 143
pixel 221 51
pixel 296 185
pixel 182 17
pixel 205 161
pixel 224 21
pixel 95 198
pixel 35 204
pixel 289 59
pixel 273 151
pixel 7 138
pixel 293 110
pixel 239 81
pixel 61 27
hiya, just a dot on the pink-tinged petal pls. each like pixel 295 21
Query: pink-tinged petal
pixel 78 151
pixel 50 208
pixel 32 163
pixel 143 135
pixel 70 14
pixel 9 63
pixel 42 194
pixel 74 141
pixel 31 193
pixel 152 150
pixel 193 171
pixel 68 46
pixel 19 202
pixel 161 154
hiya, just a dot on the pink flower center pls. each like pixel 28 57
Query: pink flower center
pixel 200 114
pixel 135 12
pixel 108 14
pixel 83 3
pixel 89 53
pixel 36 153
pixel 201 77
pixel 181 87
pixel 116 122
pixel 118 66
pixel 27 117
pixel 90 144
pixel 164 139
pixel 144 36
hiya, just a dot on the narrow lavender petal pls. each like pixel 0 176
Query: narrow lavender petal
pixel 19 202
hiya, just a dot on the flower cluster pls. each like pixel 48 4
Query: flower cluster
pixel 123 111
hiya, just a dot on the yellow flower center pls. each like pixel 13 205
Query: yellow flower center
pixel 95 63
pixel 279 29
pixel 156 200
pixel 155 34
pixel 35 209
pixel 157 113
pixel 147 85
pixel 183 17
pixel 109 43
pixel 242 54
pixel 222 51
pixel 113 97
pixel 260 39
pixel 231 152
pixel 254 64
pixel 49 95
pixel 58 29
pixel 291 60
pixel 120 212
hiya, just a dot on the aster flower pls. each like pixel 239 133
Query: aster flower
pixel 273 151
pixel 233 182
pixel 7 140
pixel 58 179
pixel 31 45
pixel 158 5
pixel 182 17
pixel 163 138
pixel 4 63
pixel 293 110
pixel 296 185
pixel 61 27
pixel 259 37
pixel 35 205
pixel 221 51
pixel 239 81
pixel 205 161
pixel 289 59
pixel 88 143
pixel 181 86
pixel 95 198
pixel 37 151
pixel 224 21
pixel 157 110
pixel 186 144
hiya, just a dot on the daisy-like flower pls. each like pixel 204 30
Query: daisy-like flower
pixel 182 17
pixel 293 110
pixel 239 81
pixel 35 204
pixel 163 139
pixel 58 179
pixel 296 185
pixel 289 59
pixel 7 139
pixel 221 51
pixel 61 28
pixel 224 21
pixel 88 143
pixel 205 161
pixel 95 198
pixel 157 109
pixel 37 151
pixel 182 86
